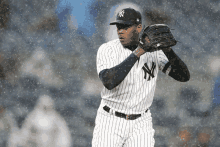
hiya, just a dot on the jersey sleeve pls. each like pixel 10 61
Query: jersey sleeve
pixel 105 58
pixel 162 59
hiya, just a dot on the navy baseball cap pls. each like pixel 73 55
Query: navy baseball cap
pixel 128 16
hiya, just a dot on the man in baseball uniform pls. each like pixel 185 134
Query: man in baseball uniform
pixel 129 75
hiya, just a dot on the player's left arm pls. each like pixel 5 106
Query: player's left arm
pixel 175 68
pixel 158 37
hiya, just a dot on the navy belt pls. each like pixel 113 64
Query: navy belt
pixel 122 115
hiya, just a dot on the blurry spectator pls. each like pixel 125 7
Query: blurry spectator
pixel 193 105
pixel 14 138
pixel 39 65
pixel 4 13
pixel 204 137
pixel 183 138
pixel 44 127
pixel 185 135
pixel 189 95
pixel 2 74
pixel 7 126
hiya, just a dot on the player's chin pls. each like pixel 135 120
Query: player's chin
pixel 124 42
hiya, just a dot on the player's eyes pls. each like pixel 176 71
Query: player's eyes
pixel 125 27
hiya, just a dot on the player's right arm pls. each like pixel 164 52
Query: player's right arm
pixel 111 75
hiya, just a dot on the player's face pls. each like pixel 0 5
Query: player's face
pixel 128 34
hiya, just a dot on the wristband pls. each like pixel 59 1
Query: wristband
pixel 167 68
pixel 136 51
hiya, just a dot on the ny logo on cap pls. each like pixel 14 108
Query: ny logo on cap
pixel 121 14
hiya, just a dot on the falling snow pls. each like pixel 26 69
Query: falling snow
pixel 48 47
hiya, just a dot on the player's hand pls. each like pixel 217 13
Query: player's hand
pixel 145 44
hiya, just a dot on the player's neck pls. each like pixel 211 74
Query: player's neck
pixel 132 47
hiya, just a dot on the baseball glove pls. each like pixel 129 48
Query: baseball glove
pixel 156 37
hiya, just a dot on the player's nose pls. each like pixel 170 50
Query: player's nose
pixel 120 31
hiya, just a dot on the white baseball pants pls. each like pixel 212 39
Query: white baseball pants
pixel 113 131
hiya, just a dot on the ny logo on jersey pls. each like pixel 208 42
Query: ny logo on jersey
pixel 121 14
pixel 147 70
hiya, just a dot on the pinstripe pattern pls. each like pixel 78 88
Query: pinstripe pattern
pixel 133 96
pixel 112 131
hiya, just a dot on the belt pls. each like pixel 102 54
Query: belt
pixel 122 115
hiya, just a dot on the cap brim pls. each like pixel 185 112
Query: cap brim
pixel 122 22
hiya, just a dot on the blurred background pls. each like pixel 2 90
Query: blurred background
pixel 49 83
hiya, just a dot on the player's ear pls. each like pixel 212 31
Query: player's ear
pixel 139 28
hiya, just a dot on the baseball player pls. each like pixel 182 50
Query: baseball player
pixel 128 68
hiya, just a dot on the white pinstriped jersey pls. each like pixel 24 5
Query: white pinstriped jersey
pixel 135 93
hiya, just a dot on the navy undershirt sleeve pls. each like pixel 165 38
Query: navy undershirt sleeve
pixel 114 76
pixel 179 70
